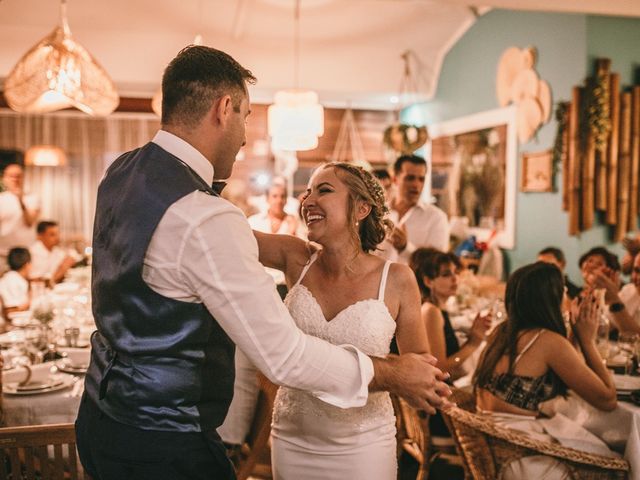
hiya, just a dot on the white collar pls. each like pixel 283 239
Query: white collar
pixel 186 152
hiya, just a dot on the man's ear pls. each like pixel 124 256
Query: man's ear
pixel 222 108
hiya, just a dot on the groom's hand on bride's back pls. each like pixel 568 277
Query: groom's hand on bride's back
pixel 413 377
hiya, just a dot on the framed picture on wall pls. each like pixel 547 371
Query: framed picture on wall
pixel 537 172
pixel 473 172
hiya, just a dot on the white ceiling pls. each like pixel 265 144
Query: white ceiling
pixel 349 49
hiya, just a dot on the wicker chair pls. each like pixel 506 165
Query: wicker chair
pixel 411 441
pixel 46 452
pixel 487 448
pixel 257 442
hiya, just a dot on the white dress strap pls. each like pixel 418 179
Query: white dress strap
pixel 312 259
pixel 527 346
pixel 383 280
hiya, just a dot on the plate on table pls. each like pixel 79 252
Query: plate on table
pixel 634 396
pixel 12 337
pixel 68 366
pixel 626 382
pixel 21 319
pixel 51 384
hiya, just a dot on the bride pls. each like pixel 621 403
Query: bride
pixel 345 295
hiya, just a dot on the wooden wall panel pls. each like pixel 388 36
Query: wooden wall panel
pixel 612 158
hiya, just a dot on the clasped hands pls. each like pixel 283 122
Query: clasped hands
pixel 419 382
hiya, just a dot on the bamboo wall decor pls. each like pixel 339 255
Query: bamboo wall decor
pixel 598 146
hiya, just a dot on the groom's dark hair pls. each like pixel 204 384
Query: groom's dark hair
pixel 195 78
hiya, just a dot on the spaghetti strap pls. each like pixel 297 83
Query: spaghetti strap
pixel 527 346
pixel 312 259
pixel 383 280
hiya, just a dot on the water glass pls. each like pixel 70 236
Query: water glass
pixel 71 336
pixel 627 347
pixel 602 340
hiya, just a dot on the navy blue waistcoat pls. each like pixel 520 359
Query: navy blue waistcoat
pixel 156 363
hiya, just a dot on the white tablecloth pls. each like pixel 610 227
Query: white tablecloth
pixel 45 408
pixel 620 428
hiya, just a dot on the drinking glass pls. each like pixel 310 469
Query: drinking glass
pixel 602 340
pixel 627 346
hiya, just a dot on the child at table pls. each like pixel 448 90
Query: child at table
pixel 14 284
pixel 528 360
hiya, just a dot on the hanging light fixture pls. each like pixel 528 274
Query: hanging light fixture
pixel 296 119
pixel 400 138
pixel 45 156
pixel 60 73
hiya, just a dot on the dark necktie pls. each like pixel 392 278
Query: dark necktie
pixel 217 186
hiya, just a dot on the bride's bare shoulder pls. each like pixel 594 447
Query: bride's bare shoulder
pixel 401 276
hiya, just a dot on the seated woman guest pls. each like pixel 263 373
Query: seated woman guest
pixel 436 273
pixel 14 285
pixel 529 360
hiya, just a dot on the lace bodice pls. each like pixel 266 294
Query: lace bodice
pixel 367 325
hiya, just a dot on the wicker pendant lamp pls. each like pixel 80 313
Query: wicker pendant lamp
pixel 60 73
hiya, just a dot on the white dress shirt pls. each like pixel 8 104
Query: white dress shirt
pixel 631 299
pixel 14 289
pixel 262 223
pixel 45 262
pixel 426 226
pixel 203 250
pixel 13 231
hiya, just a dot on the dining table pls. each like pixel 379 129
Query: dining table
pixel 44 404
pixel 45 354
pixel 619 428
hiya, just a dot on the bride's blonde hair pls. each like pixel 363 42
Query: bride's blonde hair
pixel 362 185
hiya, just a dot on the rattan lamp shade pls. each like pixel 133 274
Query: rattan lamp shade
pixel 59 73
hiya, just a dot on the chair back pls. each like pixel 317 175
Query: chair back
pixel 411 441
pixel 257 441
pixel 46 452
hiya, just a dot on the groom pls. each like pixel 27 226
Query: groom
pixel 176 283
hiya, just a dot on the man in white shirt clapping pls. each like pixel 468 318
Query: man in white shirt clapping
pixel 417 224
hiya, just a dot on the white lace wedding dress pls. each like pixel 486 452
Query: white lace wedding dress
pixel 314 440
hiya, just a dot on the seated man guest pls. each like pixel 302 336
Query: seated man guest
pixel 49 260
pixel 556 257
pixel 14 285
pixel 624 304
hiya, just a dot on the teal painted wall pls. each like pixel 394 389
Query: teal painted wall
pixel 566 43
pixel 619 35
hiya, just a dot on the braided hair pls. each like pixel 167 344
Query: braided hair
pixel 362 185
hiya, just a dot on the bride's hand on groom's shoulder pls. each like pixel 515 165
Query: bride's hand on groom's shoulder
pixel 413 377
